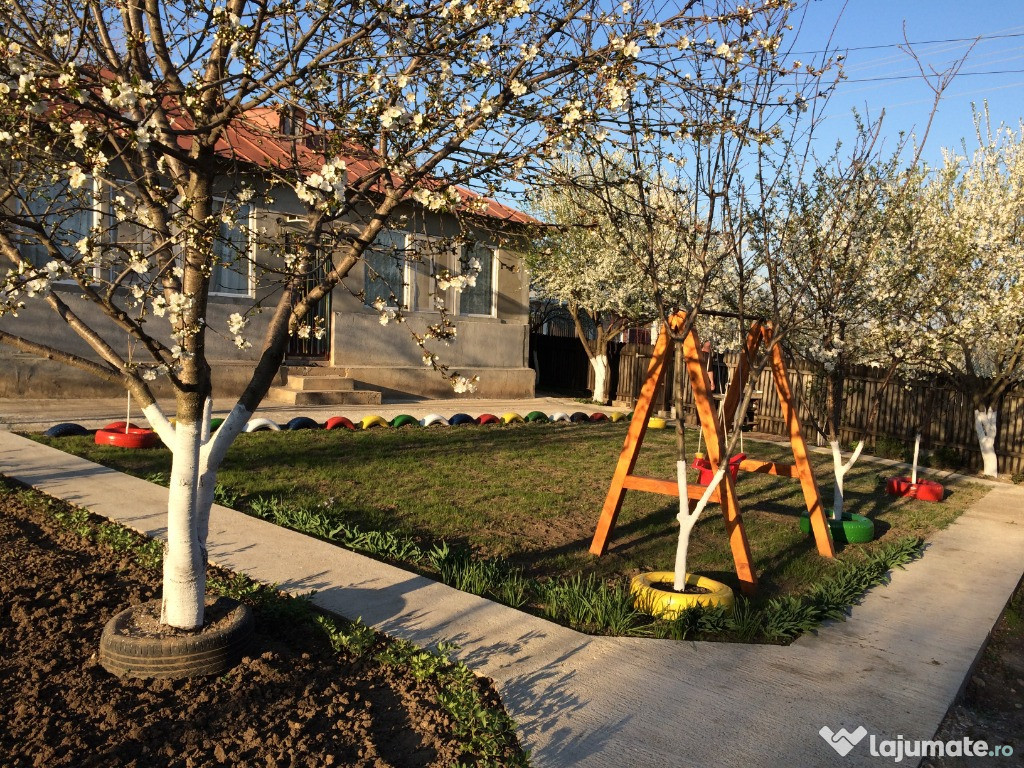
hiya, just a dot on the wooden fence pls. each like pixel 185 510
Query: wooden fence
pixel 944 415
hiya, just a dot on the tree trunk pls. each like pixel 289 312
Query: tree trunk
pixel 688 519
pixel 985 424
pixel 184 558
pixel 917 453
pixel 599 363
pixel 840 469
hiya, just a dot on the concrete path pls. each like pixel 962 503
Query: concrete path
pixel 893 668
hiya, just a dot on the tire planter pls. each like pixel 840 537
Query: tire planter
pixel 404 420
pixel 302 422
pixel 433 418
pixel 373 421
pixel 261 425
pixel 703 466
pixel 617 416
pixel 66 429
pixel 126 652
pixel 135 437
pixel 923 490
pixel 579 417
pixel 536 416
pixel 598 416
pixel 460 419
pixel 656 422
pixel 668 604
pixel 510 417
pixel 339 422
pixel 487 418
pixel 852 529
pixel 120 425
pixel 215 424
pixel 559 416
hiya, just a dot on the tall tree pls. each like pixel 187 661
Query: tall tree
pixel 133 115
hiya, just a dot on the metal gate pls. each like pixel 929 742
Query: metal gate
pixel 319 316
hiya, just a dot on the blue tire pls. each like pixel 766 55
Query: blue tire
pixel 302 422
pixel 66 429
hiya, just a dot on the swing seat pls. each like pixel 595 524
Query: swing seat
pixel 703 466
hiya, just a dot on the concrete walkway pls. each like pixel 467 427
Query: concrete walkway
pixel 893 668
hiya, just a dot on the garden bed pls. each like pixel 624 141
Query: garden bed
pixel 508 512
pixel 293 701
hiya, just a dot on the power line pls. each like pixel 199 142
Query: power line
pixel 904 44
pixel 918 76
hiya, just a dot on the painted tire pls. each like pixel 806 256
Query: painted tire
pixel 215 424
pixel 433 418
pixel 120 425
pixel 373 421
pixel 579 417
pixel 599 416
pixel 922 490
pixel 656 422
pixel 209 652
pixel 511 417
pixel 302 422
pixel 66 429
pixel 261 425
pixel 459 419
pixel 487 418
pixel 404 420
pixel 339 422
pixel 852 529
pixel 666 604
pixel 133 438
pixel 559 416
pixel 616 417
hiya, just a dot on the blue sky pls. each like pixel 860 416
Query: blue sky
pixel 907 102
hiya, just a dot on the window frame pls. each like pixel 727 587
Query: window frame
pixel 493 311
pixel 408 291
pixel 250 279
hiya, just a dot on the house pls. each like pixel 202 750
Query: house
pixel 356 356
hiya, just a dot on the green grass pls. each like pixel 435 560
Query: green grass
pixel 516 506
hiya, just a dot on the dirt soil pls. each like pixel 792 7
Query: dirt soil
pixel 292 701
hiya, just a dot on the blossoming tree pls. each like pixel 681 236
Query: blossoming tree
pixel 972 331
pixel 130 115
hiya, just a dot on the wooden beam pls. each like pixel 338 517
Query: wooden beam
pixel 667 487
pixel 812 497
pixel 714 438
pixel 769 468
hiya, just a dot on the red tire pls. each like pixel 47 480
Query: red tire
pixel 133 438
pixel 488 418
pixel 116 426
pixel 922 490
pixel 336 422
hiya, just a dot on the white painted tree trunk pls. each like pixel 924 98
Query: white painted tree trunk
pixel 196 458
pixel 600 365
pixel 985 424
pixel 688 519
pixel 840 470
pixel 184 566
pixel 917 453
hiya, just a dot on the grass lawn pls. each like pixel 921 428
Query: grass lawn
pixel 531 494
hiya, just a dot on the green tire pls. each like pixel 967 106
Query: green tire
pixel 404 420
pixel 852 529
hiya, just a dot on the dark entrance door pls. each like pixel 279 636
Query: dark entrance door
pixel 319 316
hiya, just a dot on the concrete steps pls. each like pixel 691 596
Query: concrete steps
pixel 320 385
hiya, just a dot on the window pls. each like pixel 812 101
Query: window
pixel 66 218
pixel 231 257
pixel 478 299
pixel 385 271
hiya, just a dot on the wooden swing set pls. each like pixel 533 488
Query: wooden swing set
pixel 712 426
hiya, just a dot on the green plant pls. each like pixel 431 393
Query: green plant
pixel 225 496
pixel 888 447
pixel 1017 478
pixel 353 637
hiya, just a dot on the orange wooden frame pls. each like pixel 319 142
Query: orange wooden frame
pixel 714 436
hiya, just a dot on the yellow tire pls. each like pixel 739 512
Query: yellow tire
pixel 617 416
pixel 511 417
pixel 374 421
pixel 656 422
pixel 666 604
